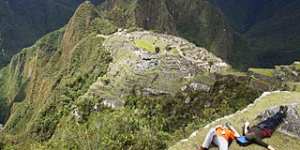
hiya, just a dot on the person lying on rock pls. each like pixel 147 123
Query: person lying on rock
pixel 264 129
pixel 220 136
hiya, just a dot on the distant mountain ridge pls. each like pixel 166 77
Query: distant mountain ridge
pixel 22 22
pixel 197 21
pixel 267 30
pixel 270 27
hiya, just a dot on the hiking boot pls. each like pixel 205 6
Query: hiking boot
pixel 202 148
pixel 284 109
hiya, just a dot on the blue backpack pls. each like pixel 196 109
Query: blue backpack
pixel 242 140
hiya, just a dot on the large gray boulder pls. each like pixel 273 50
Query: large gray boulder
pixel 291 125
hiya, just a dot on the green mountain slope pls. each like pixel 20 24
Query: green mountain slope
pixel 277 37
pixel 266 29
pixel 269 27
pixel 24 21
pixel 198 21
pixel 113 79
pixel 250 12
pixel 87 86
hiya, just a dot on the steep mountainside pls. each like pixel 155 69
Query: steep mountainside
pixel 89 86
pixel 250 12
pixel 198 21
pixel 277 37
pixel 36 79
pixel 270 27
pixel 119 75
pixel 24 21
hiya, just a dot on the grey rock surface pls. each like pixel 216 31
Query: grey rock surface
pixel 291 125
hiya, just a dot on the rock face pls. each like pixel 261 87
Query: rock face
pixel 288 72
pixel 291 125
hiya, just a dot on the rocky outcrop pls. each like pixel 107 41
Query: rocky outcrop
pixel 152 64
pixel 288 72
pixel 291 124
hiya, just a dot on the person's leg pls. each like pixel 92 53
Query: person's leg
pixel 221 142
pixel 209 138
pixel 246 128
pixel 273 122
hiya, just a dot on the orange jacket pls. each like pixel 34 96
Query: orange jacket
pixel 226 133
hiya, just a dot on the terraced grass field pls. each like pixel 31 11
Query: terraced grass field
pixel 262 71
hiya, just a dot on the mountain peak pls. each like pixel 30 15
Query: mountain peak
pixel 78 26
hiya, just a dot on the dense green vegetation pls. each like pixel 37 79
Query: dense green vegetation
pixel 24 22
pixel 58 86
pixel 151 122
pixel 4 109
pixel 48 83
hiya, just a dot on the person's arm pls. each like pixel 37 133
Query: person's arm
pixel 209 138
pixel 246 127
pixel 259 141
pixel 270 148
pixel 236 133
